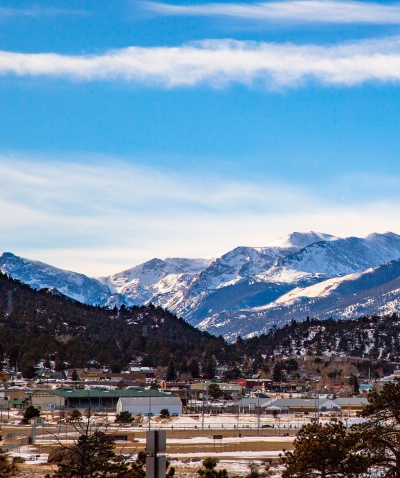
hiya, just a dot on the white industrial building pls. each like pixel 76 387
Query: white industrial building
pixel 154 405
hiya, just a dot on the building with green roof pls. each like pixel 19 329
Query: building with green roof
pixel 96 399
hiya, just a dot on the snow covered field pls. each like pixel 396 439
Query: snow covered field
pixel 188 443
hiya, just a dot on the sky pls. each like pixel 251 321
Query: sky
pixel 132 130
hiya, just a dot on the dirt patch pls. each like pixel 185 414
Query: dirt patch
pixel 28 470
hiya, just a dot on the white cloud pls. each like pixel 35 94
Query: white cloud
pixel 294 11
pixel 220 62
pixel 102 216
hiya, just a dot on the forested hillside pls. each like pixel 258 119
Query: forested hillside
pixel 375 338
pixel 39 325
pixel 45 325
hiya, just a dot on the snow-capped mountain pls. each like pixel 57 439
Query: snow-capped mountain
pixel 40 276
pixel 154 281
pixel 298 240
pixel 243 291
pixel 374 291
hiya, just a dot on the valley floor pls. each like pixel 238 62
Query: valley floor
pixel 246 441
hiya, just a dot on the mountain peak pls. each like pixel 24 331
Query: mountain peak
pixel 376 236
pixel 300 239
pixel 245 289
pixel 7 255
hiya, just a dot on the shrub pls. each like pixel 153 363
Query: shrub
pixel 164 413
pixel 124 417
pixel 30 412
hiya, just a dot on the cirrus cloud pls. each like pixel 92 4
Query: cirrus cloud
pixel 314 11
pixel 220 62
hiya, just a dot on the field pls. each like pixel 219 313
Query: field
pixel 236 441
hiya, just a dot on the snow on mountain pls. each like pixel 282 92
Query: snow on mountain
pixel 238 292
pixel 300 239
pixel 145 282
pixel 43 276
pixel 302 267
pixel 345 256
pixel 374 291
pixel 151 272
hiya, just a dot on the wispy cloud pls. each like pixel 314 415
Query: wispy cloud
pixel 37 11
pixel 100 216
pixel 221 62
pixel 295 11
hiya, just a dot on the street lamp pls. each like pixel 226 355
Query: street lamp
pixel 150 409
pixel 202 422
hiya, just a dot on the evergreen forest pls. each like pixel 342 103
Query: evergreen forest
pixel 45 325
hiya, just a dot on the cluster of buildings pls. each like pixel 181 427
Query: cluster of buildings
pixel 138 391
pixel 148 401
pixel 134 400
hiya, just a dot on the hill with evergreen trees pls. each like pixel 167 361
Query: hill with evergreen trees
pixel 45 325
pixel 375 338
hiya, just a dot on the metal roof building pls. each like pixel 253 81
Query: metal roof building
pixel 154 405
pixel 301 405
pixel 93 398
pixel 253 402
pixel 351 403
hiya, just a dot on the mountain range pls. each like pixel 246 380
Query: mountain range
pixel 249 289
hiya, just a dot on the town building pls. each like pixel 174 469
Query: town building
pixel 229 390
pixel 95 399
pixel 153 405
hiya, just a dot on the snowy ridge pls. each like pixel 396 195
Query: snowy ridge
pixel 42 276
pixel 300 239
pixel 246 290
pixel 374 291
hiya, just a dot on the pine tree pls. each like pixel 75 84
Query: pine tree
pixel 92 456
pixel 356 387
pixel 124 417
pixel 171 372
pixel 210 369
pixel 323 451
pixel 194 368
pixel 183 367
pixel 30 412
pixel 379 437
pixel 215 391
pixel 277 372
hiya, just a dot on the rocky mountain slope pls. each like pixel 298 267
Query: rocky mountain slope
pixel 248 289
pixel 374 291
pixel 40 276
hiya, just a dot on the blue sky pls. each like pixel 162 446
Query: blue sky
pixel 132 130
